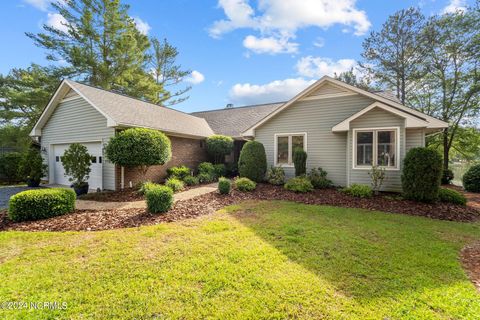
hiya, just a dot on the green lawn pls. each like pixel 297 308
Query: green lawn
pixel 272 260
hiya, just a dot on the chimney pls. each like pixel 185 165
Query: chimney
pixel 229 106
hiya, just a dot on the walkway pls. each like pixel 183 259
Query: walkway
pixel 185 195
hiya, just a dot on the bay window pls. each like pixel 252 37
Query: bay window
pixel 377 147
pixel 285 145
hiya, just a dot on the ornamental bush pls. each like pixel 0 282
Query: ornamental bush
pixel 32 168
pixel 175 184
pixel 245 184
pixel 447 176
pixel 76 161
pixel 9 165
pixel 218 147
pixel 191 180
pixel 205 178
pixel 318 178
pixel 224 185
pixel 300 162
pixel 219 170
pixel 252 163
pixel 179 172
pixel 41 204
pixel 145 186
pixel 275 176
pixel 159 199
pixel 422 172
pixel 471 179
pixel 451 196
pixel 359 190
pixel 299 185
pixel 206 172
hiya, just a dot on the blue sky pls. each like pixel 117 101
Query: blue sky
pixel 241 52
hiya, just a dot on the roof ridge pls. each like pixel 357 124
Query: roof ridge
pixel 241 107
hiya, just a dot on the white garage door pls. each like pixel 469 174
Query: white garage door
pixel 95 179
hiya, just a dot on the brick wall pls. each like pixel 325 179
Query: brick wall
pixel 185 151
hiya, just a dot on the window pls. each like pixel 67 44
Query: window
pixel 286 144
pixel 94 159
pixel 376 147
pixel 57 158
pixel 100 159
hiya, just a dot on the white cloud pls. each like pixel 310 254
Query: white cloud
pixel 39 4
pixel 57 21
pixel 195 77
pixel 454 6
pixel 141 25
pixel 278 90
pixel 319 42
pixel 269 45
pixel 317 67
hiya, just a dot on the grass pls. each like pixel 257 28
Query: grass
pixel 270 260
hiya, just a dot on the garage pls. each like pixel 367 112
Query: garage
pixel 94 149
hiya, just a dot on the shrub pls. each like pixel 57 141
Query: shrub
pixel 275 176
pixel 205 178
pixel 471 179
pixel 175 184
pixel 359 190
pixel 219 170
pixel 218 147
pixel 252 163
pixel 232 169
pixel 32 168
pixel 41 204
pixel 145 186
pixel 377 175
pixel 159 199
pixel 206 172
pixel 76 161
pixel 9 165
pixel 245 184
pixel 179 172
pixel 224 185
pixel 422 171
pixel 447 176
pixel 191 180
pixel 318 178
pixel 299 185
pixel 300 162
pixel 451 196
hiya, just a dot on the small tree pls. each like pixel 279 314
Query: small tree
pixel 218 147
pixel 252 163
pixel 139 147
pixel 300 162
pixel 377 174
pixel 76 161
pixel 32 168
pixel 9 166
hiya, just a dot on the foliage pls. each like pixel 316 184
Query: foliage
pixel 146 186
pixel 76 161
pixel 447 176
pixel 275 176
pixel 9 165
pixel 451 196
pixel 175 184
pixel 318 178
pixel 41 204
pixel 465 146
pixel 159 199
pixel 299 184
pixel 31 166
pixel 471 179
pixel 421 175
pixel 245 184
pixel 205 177
pixel 191 180
pixel 14 136
pixel 219 170
pixel 206 172
pixel 179 172
pixel 224 185
pixel 300 162
pixel 252 163
pixel 377 174
pixel 218 147
pixel 359 190
pixel 232 169
pixel 352 78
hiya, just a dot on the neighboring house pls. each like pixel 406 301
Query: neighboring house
pixel 345 130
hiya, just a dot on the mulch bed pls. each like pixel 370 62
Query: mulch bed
pixel 126 195
pixel 470 257
pixel 92 220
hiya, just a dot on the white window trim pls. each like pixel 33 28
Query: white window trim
pixel 275 148
pixel 354 147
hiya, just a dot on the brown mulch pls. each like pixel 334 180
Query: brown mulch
pixel 126 195
pixel 206 204
pixel 473 199
pixel 470 257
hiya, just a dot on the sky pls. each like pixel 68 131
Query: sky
pixel 239 51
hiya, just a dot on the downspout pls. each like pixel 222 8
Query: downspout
pixel 122 178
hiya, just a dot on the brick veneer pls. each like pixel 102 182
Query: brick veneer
pixel 189 152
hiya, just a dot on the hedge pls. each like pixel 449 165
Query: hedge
pixel 9 167
pixel 159 199
pixel 299 185
pixel 451 196
pixel 471 179
pixel 218 147
pixel 252 163
pixel 41 204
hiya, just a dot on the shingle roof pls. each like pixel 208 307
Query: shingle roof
pixel 233 121
pixel 129 111
pixel 387 95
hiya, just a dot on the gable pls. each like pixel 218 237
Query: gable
pixel 376 117
pixel 327 89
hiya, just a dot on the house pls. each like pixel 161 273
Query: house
pixel 344 129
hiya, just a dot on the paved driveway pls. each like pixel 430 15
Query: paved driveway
pixel 7 192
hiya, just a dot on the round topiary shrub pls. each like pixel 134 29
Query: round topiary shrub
pixel 224 186
pixel 76 161
pixel 471 179
pixel 159 199
pixel 422 172
pixel 175 184
pixel 299 185
pixel 252 163
pixel 218 147
pixel 451 196
pixel 245 184
pixel 41 204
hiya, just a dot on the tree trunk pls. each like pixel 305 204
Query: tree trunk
pixel 446 150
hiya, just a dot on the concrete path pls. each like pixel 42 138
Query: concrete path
pixel 6 192
pixel 185 195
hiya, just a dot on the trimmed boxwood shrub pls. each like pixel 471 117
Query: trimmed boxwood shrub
pixel 224 185
pixel 447 176
pixel 219 170
pixel 359 190
pixel 175 184
pixel 275 176
pixel 9 165
pixel 451 196
pixel 245 184
pixel 471 179
pixel 252 162
pixel 218 147
pixel 159 199
pixel 318 178
pixel 422 172
pixel 145 186
pixel 191 180
pixel 41 204
pixel 300 162
pixel 179 172
pixel 299 185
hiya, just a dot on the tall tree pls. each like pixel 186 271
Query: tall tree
pixel 100 41
pixel 355 80
pixel 168 74
pixel 393 56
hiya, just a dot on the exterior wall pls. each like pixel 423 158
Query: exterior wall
pixel 414 138
pixel 189 152
pixel 77 121
pixel 327 89
pixel 316 117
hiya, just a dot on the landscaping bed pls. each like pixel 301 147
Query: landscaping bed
pixel 209 203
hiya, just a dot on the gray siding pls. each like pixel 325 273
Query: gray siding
pixel 327 89
pixel 414 138
pixel 77 121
